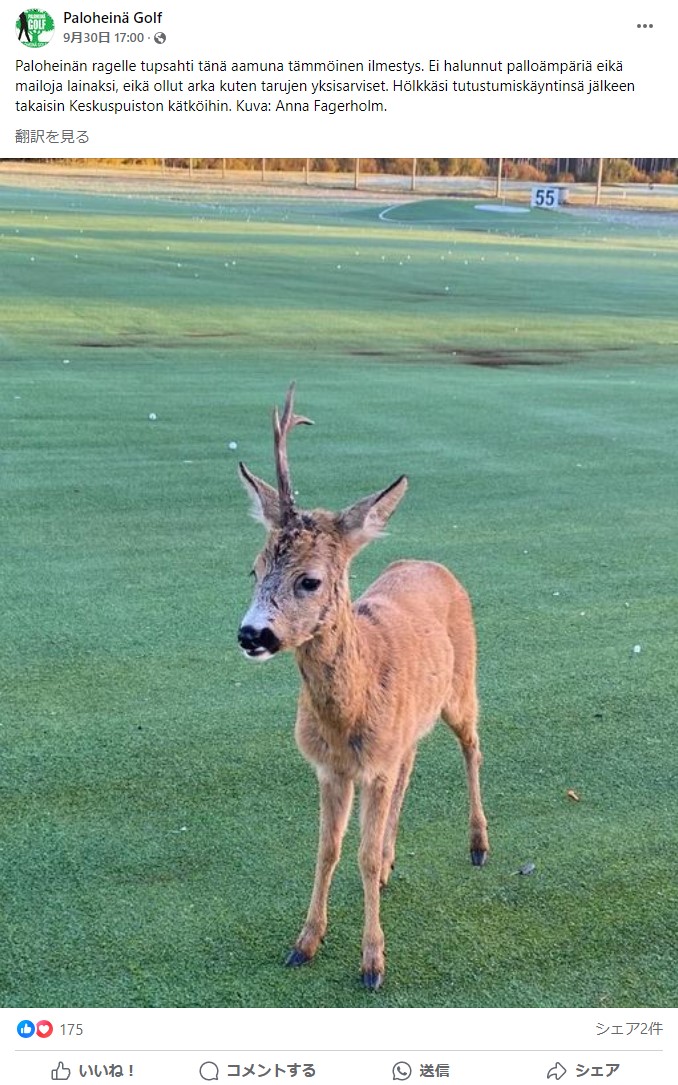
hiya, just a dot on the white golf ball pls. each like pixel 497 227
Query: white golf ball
pixel 152 417
pixel 232 445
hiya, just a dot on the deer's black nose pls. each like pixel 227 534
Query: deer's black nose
pixel 256 641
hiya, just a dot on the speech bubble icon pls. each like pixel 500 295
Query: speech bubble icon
pixel 209 1071
pixel 402 1071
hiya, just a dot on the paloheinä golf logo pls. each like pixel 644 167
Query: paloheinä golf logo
pixel 34 28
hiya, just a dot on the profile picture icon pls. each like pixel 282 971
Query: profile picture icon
pixel 34 28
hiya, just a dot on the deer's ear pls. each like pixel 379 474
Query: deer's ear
pixel 265 503
pixel 364 521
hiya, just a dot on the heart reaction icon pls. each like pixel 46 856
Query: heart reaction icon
pixel 44 1029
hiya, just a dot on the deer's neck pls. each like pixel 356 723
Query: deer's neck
pixel 334 669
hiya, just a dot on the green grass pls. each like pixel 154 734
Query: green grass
pixel 159 827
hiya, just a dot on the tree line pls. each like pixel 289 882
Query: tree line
pixel 615 170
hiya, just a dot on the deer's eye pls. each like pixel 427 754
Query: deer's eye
pixel 308 583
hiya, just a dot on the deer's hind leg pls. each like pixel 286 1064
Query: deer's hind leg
pixel 391 831
pixel 461 715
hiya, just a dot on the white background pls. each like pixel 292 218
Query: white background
pixel 415 124
pixel 351 1047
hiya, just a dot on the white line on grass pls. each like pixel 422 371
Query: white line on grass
pixel 469 224
pixel 384 213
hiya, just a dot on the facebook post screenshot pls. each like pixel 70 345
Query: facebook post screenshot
pixel 339 623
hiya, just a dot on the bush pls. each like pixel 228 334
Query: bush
pixel 523 171
pixel 665 177
pixel 428 167
pixel 469 167
pixel 369 165
pixel 620 170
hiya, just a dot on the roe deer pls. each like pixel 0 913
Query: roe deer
pixel 375 676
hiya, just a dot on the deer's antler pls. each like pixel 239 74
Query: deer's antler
pixel 281 427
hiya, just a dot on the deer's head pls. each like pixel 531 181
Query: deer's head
pixel 302 572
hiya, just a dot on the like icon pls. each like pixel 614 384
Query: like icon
pixel 25 1029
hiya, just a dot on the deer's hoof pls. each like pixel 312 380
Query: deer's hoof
pixel 295 957
pixel 478 857
pixel 373 980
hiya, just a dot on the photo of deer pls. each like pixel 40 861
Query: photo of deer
pixel 493 387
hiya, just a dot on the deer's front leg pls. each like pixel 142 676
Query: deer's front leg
pixel 374 808
pixel 336 798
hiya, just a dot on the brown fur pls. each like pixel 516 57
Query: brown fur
pixel 376 675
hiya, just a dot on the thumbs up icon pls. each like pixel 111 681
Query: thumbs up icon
pixel 62 1073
